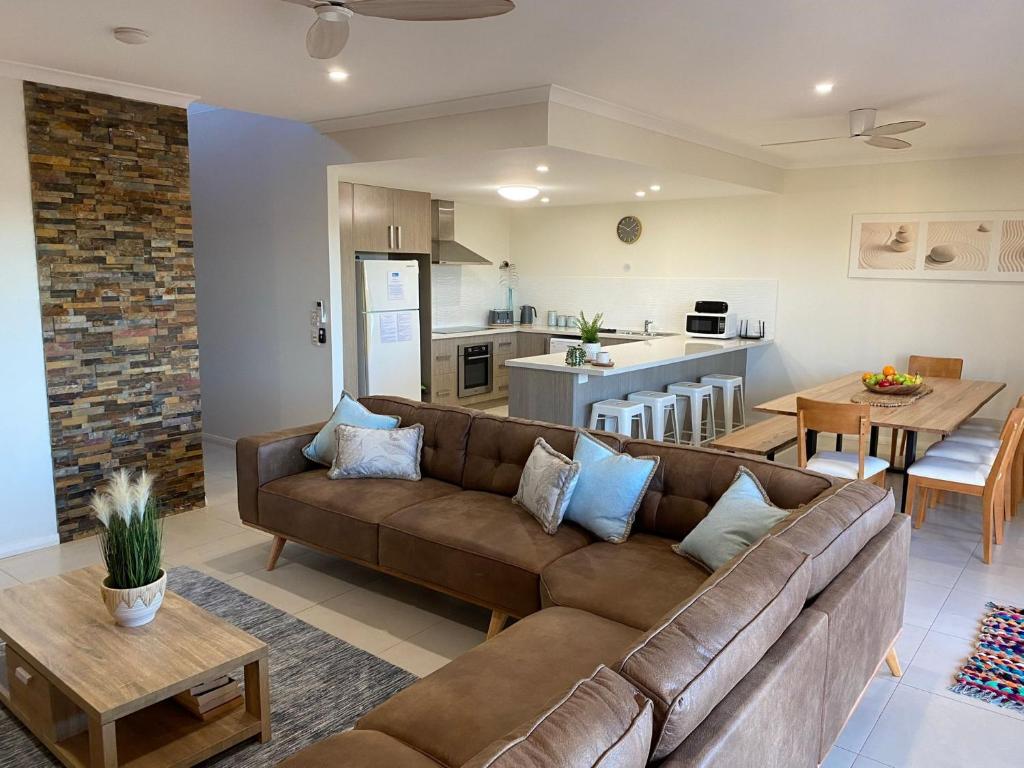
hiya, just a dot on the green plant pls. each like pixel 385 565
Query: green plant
pixel 131 532
pixel 590 329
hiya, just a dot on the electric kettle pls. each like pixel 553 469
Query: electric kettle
pixel 527 314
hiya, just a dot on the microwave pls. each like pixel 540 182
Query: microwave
pixel 711 325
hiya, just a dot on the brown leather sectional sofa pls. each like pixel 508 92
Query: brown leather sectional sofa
pixel 759 663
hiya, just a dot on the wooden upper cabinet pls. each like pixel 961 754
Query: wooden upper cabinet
pixel 390 220
pixel 412 218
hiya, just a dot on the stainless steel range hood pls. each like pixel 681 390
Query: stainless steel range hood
pixel 443 248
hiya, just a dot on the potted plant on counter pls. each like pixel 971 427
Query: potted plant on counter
pixel 589 330
pixel 131 539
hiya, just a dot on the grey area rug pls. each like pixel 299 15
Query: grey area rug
pixel 319 685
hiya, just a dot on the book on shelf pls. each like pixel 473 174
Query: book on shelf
pixel 205 697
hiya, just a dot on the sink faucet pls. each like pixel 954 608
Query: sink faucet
pixel 648 324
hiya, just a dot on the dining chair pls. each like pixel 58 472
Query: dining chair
pixel 929 367
pixel 991 483
pixel 842 419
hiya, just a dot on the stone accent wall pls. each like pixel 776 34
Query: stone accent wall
pixel 113 222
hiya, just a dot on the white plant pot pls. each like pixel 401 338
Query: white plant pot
pixel 137 606
pixel 591 349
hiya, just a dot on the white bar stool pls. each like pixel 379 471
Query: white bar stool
pixel 660 404
pixel 625 414
pixel 691 397
pixel 732 399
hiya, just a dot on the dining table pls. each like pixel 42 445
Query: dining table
pixel 942 411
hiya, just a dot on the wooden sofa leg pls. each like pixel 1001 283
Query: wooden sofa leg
pixel 275 551
pixel 893 662
pixel 498 621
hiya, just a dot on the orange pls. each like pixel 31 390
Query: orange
pixel 888 371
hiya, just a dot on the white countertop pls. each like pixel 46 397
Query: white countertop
pixel 551 330
pixel 648 353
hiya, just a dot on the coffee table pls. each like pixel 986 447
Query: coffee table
pixel 97 694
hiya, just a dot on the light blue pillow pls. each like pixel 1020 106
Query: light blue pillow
pixel 609 489
pixel 740 517
pixel 348 411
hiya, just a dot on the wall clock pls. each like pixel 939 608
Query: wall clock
pixel 629 229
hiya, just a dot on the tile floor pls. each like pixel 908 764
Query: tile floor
pixel 910 722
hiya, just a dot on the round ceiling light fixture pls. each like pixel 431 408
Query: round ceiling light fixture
pixel 655 187
pixel 338 75
pixel 640 193
pixel 545 199
pixel 131 35
pixel 823 88
pixel 542 168
pixel 518 193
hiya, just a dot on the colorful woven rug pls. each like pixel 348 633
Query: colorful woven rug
pixel 995 671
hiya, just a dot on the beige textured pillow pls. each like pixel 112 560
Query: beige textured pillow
pixel 382 453
pixel 546 485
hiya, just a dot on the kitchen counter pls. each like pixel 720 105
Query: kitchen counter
pixel 640 355
pixel 549 330
pixel 544 388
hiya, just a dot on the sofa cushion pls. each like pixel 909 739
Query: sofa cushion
pixel 835 528
pixel 635 583
pixel 480 546
pixel 601 721
pixel 341 515
pixel 689 480
pixel 484 694
pixel 445 431
pixel 386 454
pixel 359 749
pixel 690 660
pixel 547 484
pixel 321 449
pixel 498 448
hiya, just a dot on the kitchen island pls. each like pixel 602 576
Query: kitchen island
pixel 543 387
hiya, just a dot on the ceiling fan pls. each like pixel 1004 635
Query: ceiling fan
pixel 329 32
pixel 862 125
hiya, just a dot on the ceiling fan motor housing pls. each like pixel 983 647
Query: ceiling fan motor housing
pixel 862 120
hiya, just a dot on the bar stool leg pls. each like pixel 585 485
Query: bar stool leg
pixel 643 423
pixel 657 421
pixel 696 419
pixel 594 417
pixel 741 404
pixel 674 423
pixel 727 416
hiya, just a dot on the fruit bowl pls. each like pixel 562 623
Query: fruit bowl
pixel 894 389
pixel 891 382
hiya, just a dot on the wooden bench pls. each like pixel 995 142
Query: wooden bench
pixel 765 438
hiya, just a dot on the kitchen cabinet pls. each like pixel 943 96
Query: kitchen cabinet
pixel 532 344
pixel 390 220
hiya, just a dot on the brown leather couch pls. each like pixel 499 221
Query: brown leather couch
pixel 624 654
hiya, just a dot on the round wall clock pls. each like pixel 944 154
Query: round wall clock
pixel 629 229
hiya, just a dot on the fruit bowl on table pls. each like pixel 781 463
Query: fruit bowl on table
pixel 894 389
pixel 892 382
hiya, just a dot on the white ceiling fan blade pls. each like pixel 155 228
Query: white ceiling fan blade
pixel 802 141
pixel 431 10
pixel 893 128
pixel 887 142
pixel 329 33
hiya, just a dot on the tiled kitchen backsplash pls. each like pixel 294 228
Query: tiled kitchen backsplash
pixel 462 296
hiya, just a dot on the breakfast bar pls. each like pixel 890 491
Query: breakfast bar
pixel 544 388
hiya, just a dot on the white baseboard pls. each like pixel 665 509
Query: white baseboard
pixel 11 548
pixel 219 440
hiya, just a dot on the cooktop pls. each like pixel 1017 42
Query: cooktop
pixel 461 329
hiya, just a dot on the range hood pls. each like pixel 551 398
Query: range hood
pixel 443 248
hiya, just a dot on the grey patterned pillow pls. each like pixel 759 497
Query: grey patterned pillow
pixel 384 453
pixel 546 485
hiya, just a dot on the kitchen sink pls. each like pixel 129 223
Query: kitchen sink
pixel 656 334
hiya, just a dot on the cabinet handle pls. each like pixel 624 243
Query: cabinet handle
pixel 391 237
pixel 442 357
pixel 23 675
pixel 399 228
pixel 444 393
pixel 504 343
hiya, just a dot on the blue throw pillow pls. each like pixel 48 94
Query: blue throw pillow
pixel 351 412
pixel 609 489
pixel 740 517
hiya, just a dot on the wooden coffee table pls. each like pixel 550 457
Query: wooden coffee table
pixel 98 695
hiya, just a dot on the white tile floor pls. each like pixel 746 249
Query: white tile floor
pixel 909 722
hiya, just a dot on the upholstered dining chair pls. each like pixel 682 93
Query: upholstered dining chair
pixel 842 419
pixel 992 482
pixel 929 367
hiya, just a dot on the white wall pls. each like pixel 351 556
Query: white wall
pixel 260 209
pixel 827 324
pixel 28 518
pixel 464 295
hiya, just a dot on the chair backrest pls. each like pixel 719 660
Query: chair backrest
pixel 1003 466
pixel 936 367
pixel 840 418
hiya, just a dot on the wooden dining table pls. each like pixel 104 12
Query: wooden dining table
pixel 950 403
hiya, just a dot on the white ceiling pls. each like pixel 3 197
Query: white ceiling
pixel 734 73
pixel 573 178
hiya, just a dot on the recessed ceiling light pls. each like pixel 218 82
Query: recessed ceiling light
pixel 338 75
pixel 823 88
pixel 655 187
pixel 640 193
pixel 518 193
pixel 131 35
pixel 542 169
pixel 545 199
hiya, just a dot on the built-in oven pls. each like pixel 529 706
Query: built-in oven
pixel 475 373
